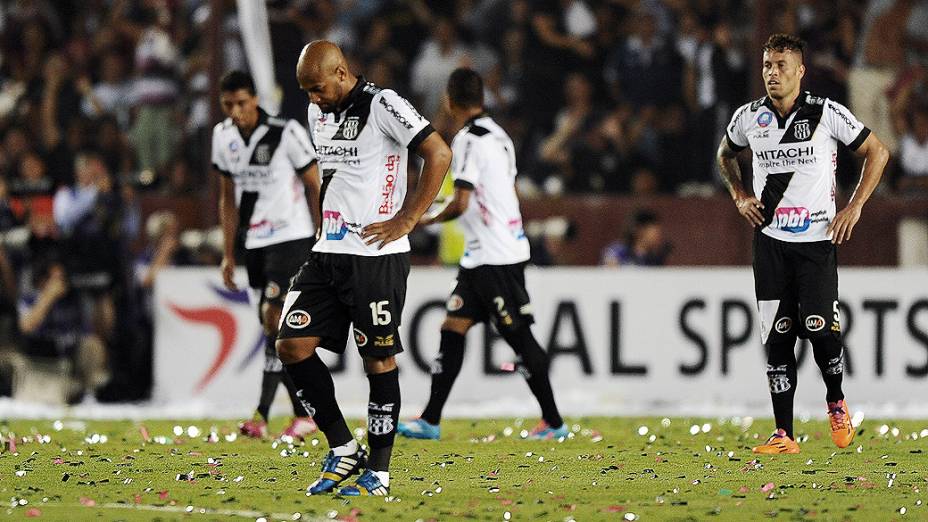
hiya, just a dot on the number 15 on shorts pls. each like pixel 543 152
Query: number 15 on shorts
pixel 380 315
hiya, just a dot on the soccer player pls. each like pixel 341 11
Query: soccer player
pixel 793 136
pixel 491 280
pixel 264 163
pixel 356 273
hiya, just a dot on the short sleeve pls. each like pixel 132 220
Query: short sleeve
pixel 397 118
pixel 737 139
pixel 843 125
pixel 299 149
pixel 217 158
pixel 464 169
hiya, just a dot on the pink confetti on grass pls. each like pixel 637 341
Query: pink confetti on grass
pixel 743 489
pixel 12 444
pixel 33 512
pixel 143 431
pixel 88 502
pixel 58 460
pixel 767 487
pixel 137 498
pixel 613 509
pixel 163 495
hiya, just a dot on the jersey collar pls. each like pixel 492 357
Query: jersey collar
pixel 353 94
pixel 781 121
pixel 262 119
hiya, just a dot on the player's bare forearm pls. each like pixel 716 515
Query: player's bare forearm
pixel 453 209
pixel 437 158
pixel 748 206
pixel 729 169
pixel 313 185
pixel 875 158
pixel 228 216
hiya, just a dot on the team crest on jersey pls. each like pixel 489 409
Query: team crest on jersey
pixel 263 154
pixel 351 127
pixel 801 130
pixel 764 118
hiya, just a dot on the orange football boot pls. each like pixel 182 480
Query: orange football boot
pixel 778 443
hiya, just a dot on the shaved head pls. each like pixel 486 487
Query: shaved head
pixel 322 71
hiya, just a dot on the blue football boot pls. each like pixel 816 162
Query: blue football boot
pixel 367 485
pixel 545 432
pixel 419 429
pixel 336 469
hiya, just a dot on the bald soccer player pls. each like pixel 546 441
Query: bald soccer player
pixel 356 273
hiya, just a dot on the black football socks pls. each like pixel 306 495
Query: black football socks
pixel 781 379
pixel 315 390
pixel 383 413
pixel 269 382
pixel 535 369
pixel 445 370
pixel 829 355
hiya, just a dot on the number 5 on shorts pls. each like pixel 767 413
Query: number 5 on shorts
pixel 379 314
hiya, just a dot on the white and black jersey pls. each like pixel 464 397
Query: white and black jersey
pixel 484 160
pixel 794 161
pixel 265 169
pixel 363 152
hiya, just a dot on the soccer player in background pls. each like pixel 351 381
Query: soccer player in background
pixel 793 136
pixel 491 279
pixel 356 273
pixel 265 166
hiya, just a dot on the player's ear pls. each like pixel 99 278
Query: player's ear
pixel 802 70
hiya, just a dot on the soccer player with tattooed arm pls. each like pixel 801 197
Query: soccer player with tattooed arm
pixel 793 137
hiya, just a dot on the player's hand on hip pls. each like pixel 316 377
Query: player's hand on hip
pixel 750 207
pixel 388 231
pixel 839 230
pixel 228 273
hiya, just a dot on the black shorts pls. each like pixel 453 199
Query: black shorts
pixel 333 292
pixel 797 289
pixel 270 268
pixel 492 292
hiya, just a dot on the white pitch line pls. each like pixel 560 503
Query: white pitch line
pixel 208 511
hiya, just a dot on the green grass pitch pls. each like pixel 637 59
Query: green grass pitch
pixel 609 469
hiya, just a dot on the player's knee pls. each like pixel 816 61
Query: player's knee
pixel 378 365
pixel 295 350
pixel 781 353
pixel 828 351
pixel 458 325
pixel 270 317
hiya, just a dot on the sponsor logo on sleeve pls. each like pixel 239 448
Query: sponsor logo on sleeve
pixel 360 338
pixel 393 112
pixel 764 118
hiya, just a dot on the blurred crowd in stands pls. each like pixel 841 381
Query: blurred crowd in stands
pixel 104 103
